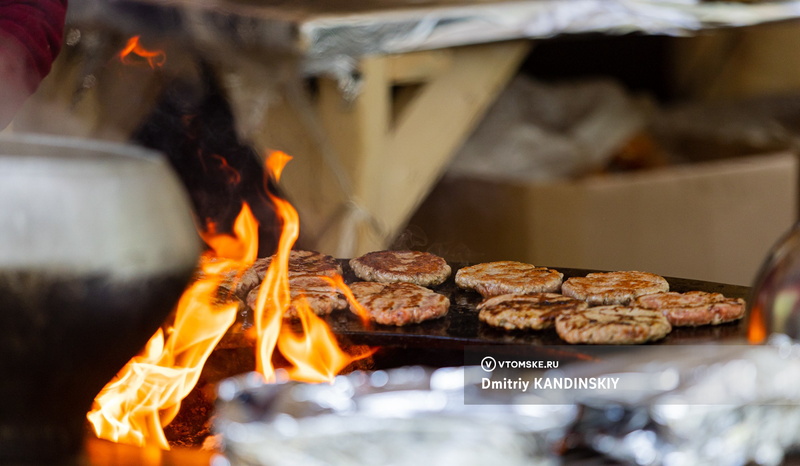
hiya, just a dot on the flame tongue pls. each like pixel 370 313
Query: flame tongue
pixel 273 296
pixel 314 353
pixel 154 58
pixel 146 394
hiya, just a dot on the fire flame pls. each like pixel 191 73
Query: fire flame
pixel 154 58
pixel 756 328
pixel 146 394
pixel 338 283
pixel 314 353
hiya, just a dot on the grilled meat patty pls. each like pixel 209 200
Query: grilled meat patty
pixel 612 325
pixel 508 277
pixel 694 308
pixel 228 278
pixel 527 311
pixel 421 268
pixel 320 296
pixel 399 303
pixel 300 263
pixel 605 288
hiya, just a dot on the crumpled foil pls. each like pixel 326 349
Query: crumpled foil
pixel 405 416
pixel 710 404
pixel 725 405
pixel 330 36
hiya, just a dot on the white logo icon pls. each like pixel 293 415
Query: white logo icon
pixel 488 364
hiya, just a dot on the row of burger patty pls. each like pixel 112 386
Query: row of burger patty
pixel 623 307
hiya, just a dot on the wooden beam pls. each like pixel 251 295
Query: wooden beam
pixel 417 67
pixel 357 133
pixel 438 122
pixel 362 168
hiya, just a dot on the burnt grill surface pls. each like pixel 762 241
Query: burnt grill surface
pixel 461 326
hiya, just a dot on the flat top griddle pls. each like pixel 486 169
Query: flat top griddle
pixel 461 327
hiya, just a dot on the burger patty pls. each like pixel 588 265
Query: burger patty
pixel 399 303
pixel 421 268
pixel 210 267
pixel 508 277
pixel 300 263
pixel 694 308
pixel 317 293
pixel 612 325
pixel 529 311
pixel 605 288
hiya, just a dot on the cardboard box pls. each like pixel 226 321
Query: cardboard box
pixel 712 221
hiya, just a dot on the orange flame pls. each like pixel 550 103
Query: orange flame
pixel 146 394
pixel 154 58
pixel 338 283
pixel 756 328
pixel 315 354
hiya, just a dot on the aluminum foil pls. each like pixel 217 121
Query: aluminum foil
pixel 406 416
pixel 330 36
pixel 727 405
pixel 715 404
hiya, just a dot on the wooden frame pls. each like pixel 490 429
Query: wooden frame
pixel 362 165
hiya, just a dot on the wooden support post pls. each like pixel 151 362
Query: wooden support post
pixel 378 155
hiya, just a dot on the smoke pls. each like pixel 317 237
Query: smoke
pixel 194 127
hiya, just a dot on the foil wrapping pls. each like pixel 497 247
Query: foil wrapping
pixel 405 416
pixel 731 405
pixel 710 404
pixel 330 36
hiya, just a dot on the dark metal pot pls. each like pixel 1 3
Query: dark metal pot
pixel 97 242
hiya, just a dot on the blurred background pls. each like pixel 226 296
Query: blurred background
pixel 572 134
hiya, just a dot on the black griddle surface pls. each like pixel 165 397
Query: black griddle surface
pixel 461 326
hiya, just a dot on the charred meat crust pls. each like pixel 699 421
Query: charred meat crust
pixel 507 277
pixel 531 311
pixel 315 292
pixel 694 308
pixel 607 288
pixel 421 268
pixel 399 303
pixel 612 325
pixel 300 263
